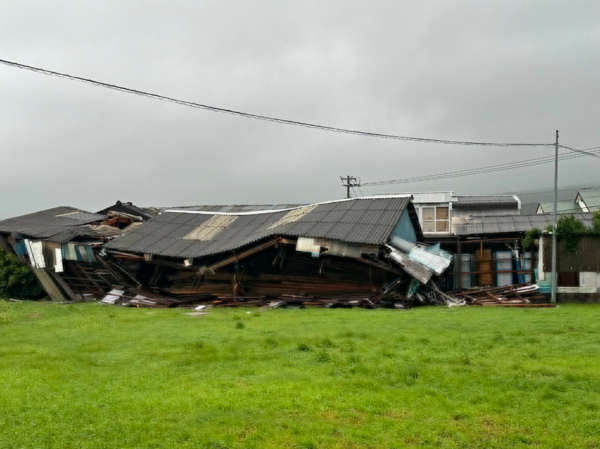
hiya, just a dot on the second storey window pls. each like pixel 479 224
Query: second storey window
pixel 435 219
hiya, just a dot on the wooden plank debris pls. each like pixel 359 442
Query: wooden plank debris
pixel 519 295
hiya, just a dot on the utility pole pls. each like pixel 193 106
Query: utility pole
pixel 348 182
pixel 554 223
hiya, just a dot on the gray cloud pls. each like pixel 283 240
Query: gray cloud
pixel 467 70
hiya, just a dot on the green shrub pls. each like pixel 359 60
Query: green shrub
pixel 531 236
pixel 570 229
pixel 16 279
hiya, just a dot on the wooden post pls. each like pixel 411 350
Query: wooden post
pixel 48 284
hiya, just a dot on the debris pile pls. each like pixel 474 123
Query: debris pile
pixel 519 295
pixel 282 273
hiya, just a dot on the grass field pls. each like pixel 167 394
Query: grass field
pixel 92 376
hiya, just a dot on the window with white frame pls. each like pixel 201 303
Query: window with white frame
pixel 435 219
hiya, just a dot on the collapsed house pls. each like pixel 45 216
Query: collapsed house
pixel 367 251
pixel 62 246
pixel 364 251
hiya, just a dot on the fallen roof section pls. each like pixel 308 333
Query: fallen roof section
pixel 368 220
pixel 144 213
pixel 59 224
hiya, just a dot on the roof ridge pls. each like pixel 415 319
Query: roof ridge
pixel 259 212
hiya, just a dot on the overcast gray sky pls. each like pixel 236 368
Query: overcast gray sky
pixel 506 70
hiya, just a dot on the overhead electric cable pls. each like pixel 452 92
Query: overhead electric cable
pixel 261 117
pixel 535 192
pixel 584 152
pixel 550 191
pixel 481 170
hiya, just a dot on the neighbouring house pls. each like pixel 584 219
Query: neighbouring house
pixel 488 250
pixel 586 200
pixel 437 211
pixel 547 207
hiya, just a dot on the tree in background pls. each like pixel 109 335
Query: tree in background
pixel 16 279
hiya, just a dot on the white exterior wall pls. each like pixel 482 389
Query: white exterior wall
pixel 588 283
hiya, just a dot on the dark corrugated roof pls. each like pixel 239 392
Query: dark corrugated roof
pixel 489 201
pixel 504 224
pixel 58 224
pixel 360 220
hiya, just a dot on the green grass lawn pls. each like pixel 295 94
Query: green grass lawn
pixel 92 376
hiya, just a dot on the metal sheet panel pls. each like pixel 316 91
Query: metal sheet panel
pixel 210 228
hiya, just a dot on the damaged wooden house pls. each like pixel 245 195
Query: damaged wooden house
pixel 364 251
pixel 62 245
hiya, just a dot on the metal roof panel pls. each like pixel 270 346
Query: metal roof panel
pixel 361 220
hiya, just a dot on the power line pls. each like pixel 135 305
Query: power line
pixel 560 190
pixel 584 152
pixel 546 191
pixel 486 169
pixel 260 117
